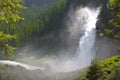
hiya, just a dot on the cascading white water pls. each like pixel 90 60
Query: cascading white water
pixel 83 19
pixel 86 51
pixel 26 66
pixel 86 19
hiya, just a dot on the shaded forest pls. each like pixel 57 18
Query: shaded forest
pixel 38 21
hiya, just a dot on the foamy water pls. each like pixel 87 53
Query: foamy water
pixel 86 50
pixel 26 66
pixel 85 53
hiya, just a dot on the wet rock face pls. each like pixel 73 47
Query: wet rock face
pixel 106 47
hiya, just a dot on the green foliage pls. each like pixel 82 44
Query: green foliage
pixel 112 20
pixel 9 14
pixel 101 34
pixel 10 10
pixel 108 69
pixel 6 37
pixel 108 31
pixel 94 72
pixel 115 75
pixel 39 22
pixel 115 9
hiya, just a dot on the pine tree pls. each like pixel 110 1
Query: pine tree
pixel 115 75
pixel 94 71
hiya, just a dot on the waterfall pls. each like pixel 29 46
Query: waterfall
pixel 86 50
pixel 83 19
pixel 86 19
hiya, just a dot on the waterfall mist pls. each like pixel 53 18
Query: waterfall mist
pixel 84 19
pixel 60 40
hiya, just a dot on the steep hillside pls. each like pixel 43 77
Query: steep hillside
pixel 108 69
pixel 111 66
